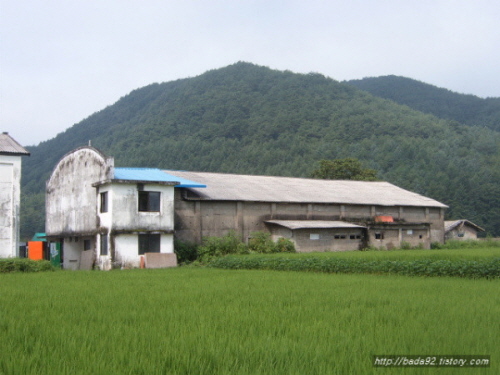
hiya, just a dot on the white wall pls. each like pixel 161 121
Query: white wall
pixel 123 215
pixel 70 197
pixel 127 249
pixel 10 197
pixel 124 208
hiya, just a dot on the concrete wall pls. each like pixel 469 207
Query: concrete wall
pixel 71 205
pixel 393 236
pixel 123 211
pixel 464 233
pixel 197 219
pixel 333 239
pixel 73 248
pixel 10 197
pixel 122 223
pixel 126 247
pixel 73 211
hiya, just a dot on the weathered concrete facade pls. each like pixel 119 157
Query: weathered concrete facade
pixel 245 203
pixel 461 230
pixel 10 195
pixel 90 208
pixel 417 226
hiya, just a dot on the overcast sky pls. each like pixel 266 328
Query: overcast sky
pixel 61 61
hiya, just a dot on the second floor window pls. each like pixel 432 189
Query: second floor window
pixel 149 201
pixel 104 202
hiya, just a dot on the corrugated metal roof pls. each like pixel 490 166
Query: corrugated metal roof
pixel 153 175
pixel 313 224
pixel 451 224
pixel 9 146
pixel 232 187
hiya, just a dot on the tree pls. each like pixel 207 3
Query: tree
pixel 344 169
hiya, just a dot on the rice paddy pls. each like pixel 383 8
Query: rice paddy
pixel 211 321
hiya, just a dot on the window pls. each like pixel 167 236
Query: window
pixel 149 243
pixel 104 202
pixel 86 244
pixel 314 236
pixel 104 244
pixel 379 236
pixel 149 201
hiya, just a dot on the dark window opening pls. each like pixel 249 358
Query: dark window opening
pixel 86 244
pixel 104 244
pixel 104 202
pixel 379 236
pixel 149 201
pixel 149 243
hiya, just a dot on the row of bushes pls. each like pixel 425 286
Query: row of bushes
pixel 10 265
pixel 425 267
pixel 467 244
pixel 213 247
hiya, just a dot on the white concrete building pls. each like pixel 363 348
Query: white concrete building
pixel 11 153
pixel 108 216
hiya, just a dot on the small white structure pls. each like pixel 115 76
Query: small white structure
pixel 10 194
pixel 116 215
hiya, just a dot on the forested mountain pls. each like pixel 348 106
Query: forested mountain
pixel 250 119
pixel 442 103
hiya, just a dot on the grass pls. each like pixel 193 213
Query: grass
pixel 211 321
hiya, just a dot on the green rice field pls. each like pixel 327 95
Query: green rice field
pixel 191 320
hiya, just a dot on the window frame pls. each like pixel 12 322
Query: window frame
pixel 149 201
pixel 148 243
pixel 104 251
pixel 104 202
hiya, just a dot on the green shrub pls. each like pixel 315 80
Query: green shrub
pixel 187 252
pixel 261 242
pixel 488 268
pixel 470 244
pixel 405 245
pixel 10 265
pixel 219 246
pixel 436 245
pixel 284 245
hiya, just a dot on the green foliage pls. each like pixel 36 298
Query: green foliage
pixel 218 246
pixel 343 169
pixel 284 245
pixel 253 120
pixel 466 109
pixel 261 242
pixel 186 252
pixel 210 321
pixel 488 268
pixel 471 244
pixel 12 265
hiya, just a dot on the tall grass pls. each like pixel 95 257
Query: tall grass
pixel 209 321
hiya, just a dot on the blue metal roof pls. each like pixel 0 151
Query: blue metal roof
pixel 153 175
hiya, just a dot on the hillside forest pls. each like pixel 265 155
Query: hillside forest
pixel 250 119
